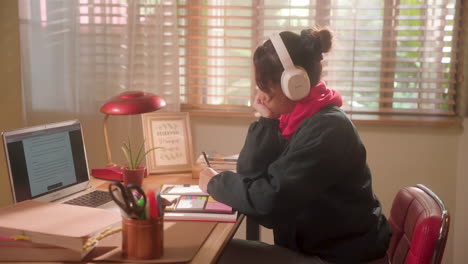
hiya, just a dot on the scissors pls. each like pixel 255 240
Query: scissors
pixel 124 198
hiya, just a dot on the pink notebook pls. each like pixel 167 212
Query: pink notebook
pixel 215 206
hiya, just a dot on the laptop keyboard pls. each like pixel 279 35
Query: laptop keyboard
pixel 92 199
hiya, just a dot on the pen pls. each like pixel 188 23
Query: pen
pixel 137 195
pixel 206 159
pixel 153 204
pixel 141 203
pixel 148 208
pixel 160 204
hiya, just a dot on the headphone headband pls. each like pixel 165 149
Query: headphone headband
pixel 282 52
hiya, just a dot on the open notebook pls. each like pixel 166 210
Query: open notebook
pixel 190 203
pixel 48 163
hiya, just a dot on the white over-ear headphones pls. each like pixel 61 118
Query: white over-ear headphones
pixel 295 82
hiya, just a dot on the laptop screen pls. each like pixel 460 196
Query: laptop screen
pixel 46 159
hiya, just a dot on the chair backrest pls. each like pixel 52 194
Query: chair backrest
pixel 420 224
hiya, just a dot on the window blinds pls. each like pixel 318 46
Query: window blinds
pixel 216 42
pixel 129 45
pixel 389 57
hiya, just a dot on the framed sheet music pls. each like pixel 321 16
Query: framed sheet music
pixel 170 132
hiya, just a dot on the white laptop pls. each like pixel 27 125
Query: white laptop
pixel 48 163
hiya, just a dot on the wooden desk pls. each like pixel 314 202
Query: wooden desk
pixel 218 238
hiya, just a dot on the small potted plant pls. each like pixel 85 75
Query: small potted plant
pixel 133 171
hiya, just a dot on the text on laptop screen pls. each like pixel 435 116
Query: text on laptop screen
pixel 46 160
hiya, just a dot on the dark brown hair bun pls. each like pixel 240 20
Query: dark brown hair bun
pixel 325 37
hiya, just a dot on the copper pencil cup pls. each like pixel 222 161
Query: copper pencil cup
pixel 142 239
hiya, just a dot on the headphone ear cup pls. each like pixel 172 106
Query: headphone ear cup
pixel 295 83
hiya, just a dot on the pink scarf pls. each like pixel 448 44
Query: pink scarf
pixel 319 97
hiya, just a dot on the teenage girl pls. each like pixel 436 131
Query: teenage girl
pixel 302 171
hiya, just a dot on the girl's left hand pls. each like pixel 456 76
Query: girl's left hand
pixel 205 176
pixel 261 107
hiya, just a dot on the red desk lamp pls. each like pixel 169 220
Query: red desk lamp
pixel 126 103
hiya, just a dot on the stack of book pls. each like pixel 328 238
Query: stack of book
pixel 219 161
pixel 41 231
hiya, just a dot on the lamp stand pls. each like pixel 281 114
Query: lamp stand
pixel 112 171
pixel 106 141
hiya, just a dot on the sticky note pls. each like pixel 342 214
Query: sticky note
pixel 217 207
pixel 190 204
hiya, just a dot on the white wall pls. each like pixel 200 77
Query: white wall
pixel 460 215
pixel 402 157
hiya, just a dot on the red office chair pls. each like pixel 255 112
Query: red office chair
pixel 420 224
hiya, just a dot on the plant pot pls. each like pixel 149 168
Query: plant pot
pixel 133 176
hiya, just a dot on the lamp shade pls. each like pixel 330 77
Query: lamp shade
pixel 132 103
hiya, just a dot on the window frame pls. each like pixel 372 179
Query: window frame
pixel 366 118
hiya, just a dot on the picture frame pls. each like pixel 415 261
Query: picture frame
pixel 170 132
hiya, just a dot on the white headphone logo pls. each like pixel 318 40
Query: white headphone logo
pixel 295 82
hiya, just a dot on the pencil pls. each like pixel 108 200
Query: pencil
pixel 206 159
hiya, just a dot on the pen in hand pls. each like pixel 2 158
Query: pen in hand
pixel 206 159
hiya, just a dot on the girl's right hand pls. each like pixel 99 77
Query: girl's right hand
pixel 205 176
